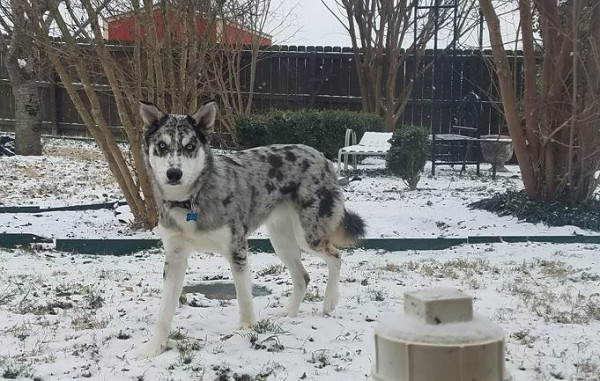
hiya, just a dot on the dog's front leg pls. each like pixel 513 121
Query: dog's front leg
pixel 174 272
pixel 242 278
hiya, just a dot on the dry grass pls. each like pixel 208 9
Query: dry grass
pixel 74 153
pixel 540 285
pixel 63 170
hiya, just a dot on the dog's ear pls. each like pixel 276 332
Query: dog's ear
pixel 150 113
pixel 205 116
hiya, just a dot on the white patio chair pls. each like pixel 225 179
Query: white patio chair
pixel 371 144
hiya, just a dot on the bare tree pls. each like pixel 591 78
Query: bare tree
pixel 26 69
pixel 231 69
pixel 383 37
pixel 208 66
pixel 555 126
pixel 173 65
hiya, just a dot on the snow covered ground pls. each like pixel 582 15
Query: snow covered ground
pixel 65 316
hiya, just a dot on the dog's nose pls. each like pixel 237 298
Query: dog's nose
pixel 174 174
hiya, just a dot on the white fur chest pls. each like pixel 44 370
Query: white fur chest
pixel 216 240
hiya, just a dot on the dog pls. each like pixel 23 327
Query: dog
pixel 209 202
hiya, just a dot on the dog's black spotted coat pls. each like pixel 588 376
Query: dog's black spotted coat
pixel 212 202
pixel 242 189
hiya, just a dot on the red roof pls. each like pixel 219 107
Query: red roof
pixel 122 28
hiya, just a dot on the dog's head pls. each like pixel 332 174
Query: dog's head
pixel 176 146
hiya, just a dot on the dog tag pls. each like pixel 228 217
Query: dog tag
pixel 192 216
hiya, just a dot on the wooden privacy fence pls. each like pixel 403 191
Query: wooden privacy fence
pixel 293 77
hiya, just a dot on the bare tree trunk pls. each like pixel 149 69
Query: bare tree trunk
pixel 530 74
pixel 28 124
pixel 558 153
pixel 22 63
pixel 377 30
pixel 509 99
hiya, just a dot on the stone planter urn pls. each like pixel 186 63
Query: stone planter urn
pixel 497 150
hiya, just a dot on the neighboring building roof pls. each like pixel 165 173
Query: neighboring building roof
pixel 157 7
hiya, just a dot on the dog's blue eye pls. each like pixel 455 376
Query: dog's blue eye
pixel 162 145
pixel 190 147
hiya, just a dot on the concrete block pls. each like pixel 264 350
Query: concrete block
pixel 439 305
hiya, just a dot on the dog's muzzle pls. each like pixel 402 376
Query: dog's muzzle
pixel 174 175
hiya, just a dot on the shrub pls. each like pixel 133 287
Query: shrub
pixel 323 130
pixel 408 154
pixel 585 215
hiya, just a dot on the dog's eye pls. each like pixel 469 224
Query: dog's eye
pixel 162 145
pixel 190 147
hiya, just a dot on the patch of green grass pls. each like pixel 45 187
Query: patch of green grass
pixel 177 335
pixel 123 335
pixel 392 267
pixel 51 308
pixel 150 291
pixel 21 331
pixel 588 369
pixel 267 326
pixel 377 295
pixel 275 269
pixel 13 370
pixel 7 296
pixel 88 320
pixel 187 349
pixel 270 343
pixel 65 296
pixel 186 346
pixel 183 299
pixel 524 337
pixel 319 359
pixel 265 335
pixel 455 268
pixel 313 295
pixel 94 300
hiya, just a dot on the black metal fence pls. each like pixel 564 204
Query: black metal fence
pixel 293 77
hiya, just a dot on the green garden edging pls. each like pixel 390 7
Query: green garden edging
pixel 401 244
pixel 20 209
pixel 37 209
pixel 106 246
pixel 127 246
pixel 124 246
pixel 18 239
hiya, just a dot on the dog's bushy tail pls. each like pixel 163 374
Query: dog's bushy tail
pixel 350 230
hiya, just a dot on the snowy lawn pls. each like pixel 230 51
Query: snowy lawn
pixel 65 316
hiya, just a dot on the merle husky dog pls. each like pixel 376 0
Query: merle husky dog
pixel 210 202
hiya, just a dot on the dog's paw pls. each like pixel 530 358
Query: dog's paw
pixel 150 350
pixel 329 305
pixel 246 325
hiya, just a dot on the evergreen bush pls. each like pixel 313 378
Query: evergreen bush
pixel 408 154
pixel 324 130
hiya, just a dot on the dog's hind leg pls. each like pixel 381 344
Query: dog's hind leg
pixel 286 247
pixel 242 278
pixel 332 258
pixel 174 272
pixel 312 238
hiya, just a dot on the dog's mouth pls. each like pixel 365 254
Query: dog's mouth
pixel 173 183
